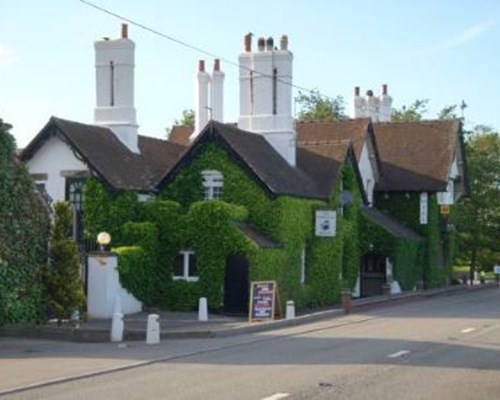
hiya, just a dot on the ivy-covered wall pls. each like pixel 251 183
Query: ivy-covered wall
pixel 404 253
pixel 181 220
pixel 436 266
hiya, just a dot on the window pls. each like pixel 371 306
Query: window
pixel 74 195
pixel 185 266
pixel 74 192
pixel 213 181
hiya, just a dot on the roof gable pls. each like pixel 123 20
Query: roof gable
pixel 107 157
pixel 416 156
pixel 258 157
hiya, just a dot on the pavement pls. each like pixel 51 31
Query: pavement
pixel 37 356
pixel 185 325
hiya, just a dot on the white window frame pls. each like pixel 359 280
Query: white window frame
pixel 213 182
pixel 185 270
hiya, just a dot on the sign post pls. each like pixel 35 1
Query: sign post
pixel 264 301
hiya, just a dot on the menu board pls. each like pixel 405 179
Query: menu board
pixel 263 300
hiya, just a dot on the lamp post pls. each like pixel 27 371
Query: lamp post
pixel 103 238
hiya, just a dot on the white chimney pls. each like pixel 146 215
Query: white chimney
pixel 385 109
pixel 217 92
pixel 372 106
pixel 202 112
pixel 114 62
pixel 359 104
pixel 266 94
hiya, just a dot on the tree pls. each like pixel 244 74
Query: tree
pixel 478 215
pixel 414 112
pixel 24 229
pixel 64 286
pixel 187 119
pixel 316 107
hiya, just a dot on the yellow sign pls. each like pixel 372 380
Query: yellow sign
pixel 445 209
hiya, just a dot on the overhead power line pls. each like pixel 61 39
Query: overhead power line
pixel 196 48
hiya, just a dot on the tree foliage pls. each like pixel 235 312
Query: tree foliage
pixel 479 214
pixel 24 227
pixel 64 286
pixel 414 112
pixel 316 107
pixel 187 119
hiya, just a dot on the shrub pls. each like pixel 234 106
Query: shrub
pixel 63 284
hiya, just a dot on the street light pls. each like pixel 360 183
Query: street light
pixel 103 238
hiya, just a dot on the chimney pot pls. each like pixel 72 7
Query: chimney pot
pixel 201 65
pixel 369 93
pixel 124 31
pixel 269 44
pixel 248 42
pixel 261 44
pixel 284 42
pixel 384 89
pixel 356 91
pixel 216 64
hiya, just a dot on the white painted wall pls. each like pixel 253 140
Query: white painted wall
pixel 105 295
pixel 114 63
pixel 52 158
pixel 265 101
pixel 379 109
pixel 366 169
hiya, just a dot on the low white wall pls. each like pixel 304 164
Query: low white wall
pixel 105 294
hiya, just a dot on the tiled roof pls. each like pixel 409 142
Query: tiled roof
pixel 108 157
pixel 416 156
pixel 260 158
pixel 180 134
pixel 354 130
pixel 390 224
pixel 323 162
pixel 256 236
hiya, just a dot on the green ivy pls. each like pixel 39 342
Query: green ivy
pixel 105 211
pixel 406 208
pixel 24 232
pixel 184 221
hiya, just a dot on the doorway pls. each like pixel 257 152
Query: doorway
pixel 372 275
pixel 236 285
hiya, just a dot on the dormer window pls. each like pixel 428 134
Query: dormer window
pixel 213 181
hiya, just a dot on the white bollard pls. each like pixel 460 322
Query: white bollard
pixel 117 327
pixel 153 329
pixel 202 309
pixel 290 309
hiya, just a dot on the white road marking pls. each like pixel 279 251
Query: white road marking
pixel 277 396
pixel 399 354
pixel 468 330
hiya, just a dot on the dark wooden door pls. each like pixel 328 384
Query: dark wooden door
pixel 236 285
pixel 372 275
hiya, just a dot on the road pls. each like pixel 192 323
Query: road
pixel 440 348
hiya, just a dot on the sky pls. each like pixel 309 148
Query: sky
pixel 445 51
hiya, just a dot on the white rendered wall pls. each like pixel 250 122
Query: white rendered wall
pixel 52 158
pixel 105 294
pixel 366 169
pixel 217 96
pixel 266 98
pixel 202 106
pixel 115 89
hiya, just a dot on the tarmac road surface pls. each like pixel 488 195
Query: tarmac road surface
pixel 439 348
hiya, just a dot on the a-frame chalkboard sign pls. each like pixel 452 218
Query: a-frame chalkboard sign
pixel 264 301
